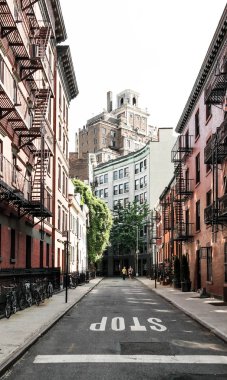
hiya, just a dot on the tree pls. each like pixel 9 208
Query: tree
pixel 123 236
pixel 100 221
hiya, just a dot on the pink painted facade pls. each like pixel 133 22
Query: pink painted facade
pixel 194 205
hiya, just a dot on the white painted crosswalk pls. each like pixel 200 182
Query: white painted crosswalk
pixel 156 359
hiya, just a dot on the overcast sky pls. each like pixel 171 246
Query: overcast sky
pixel 154 47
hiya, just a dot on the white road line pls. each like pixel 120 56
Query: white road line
pixel 158 359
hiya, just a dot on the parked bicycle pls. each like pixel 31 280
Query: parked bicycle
pixel 38 293
pixel 50 290
pixel 25 296
pixel 11 300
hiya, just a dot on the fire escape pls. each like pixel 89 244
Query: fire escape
pixel 182 230
pixel 215 152
pixel 24 117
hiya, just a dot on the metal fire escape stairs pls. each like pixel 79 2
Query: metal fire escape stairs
pixel 215 153
pixel 181 150
pixel 31 139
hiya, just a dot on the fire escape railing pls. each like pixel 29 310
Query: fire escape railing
pixel 184 187
pixel 27 116
pixel 183 231
pixel 216 148
pixel 166 207
pixel 13 183
pixel 216 90
pixel 216 213
pixel 17 189
pixel 182 148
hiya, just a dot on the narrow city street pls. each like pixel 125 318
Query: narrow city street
pixel 123 330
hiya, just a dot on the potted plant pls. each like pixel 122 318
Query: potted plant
pixel 185 275
pixel 176 273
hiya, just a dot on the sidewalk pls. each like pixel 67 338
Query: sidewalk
pixel 209 312
pixel 26 326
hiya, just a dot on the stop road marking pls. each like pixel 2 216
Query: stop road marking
pixel 118 324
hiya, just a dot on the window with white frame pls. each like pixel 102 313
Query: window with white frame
pixel 115 190
pixel 115 174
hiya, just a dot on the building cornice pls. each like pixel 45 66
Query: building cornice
pixel 60 30
pixel 217 42
pixel 66 63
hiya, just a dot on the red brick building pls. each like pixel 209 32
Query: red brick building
pixel 194 204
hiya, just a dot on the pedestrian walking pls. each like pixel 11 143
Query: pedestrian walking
pixel 124 273
pixel 130 272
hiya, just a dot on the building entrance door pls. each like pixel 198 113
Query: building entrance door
pixel 198 269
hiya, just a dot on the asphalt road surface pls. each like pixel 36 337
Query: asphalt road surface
pixel 121 331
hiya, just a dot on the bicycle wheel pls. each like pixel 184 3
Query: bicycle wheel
pixel 7 311
pixel 22 303
pixel 14 308
pixel 29 300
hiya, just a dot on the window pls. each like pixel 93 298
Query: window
pixel 59 176
pixel 209 263
pixel 103 131
pixel 113 134
pixel 208 198
pixel 197 215
pixel 60 95
pixel 197 124
pixel 13 244
pixel 121 173
pixel 126 202
pixel 136 184
pixel 126 187
pixel 208 111
pixel 101 193
pixel 141 182
pixel 106 193
pixel 2 69
pixel 59 217
pixel 136 168
pixel 145 181
pixel 141 198
pixel 225 184
pixel 50 111
pixel 63 108
pixel 104 140
pixel 136 198
pixel 145 164
pixel 115 175
pixel 145 197
pixel 105 178
pixel 1 156
pixel 121 189
pixel 197 168
pixel 141 166
pixel 41 254
pixel 101 179
pixel 47 255
pixel 115 190
pixel 225 260
pixel 208 166
pixel 115 205
pixel 126 172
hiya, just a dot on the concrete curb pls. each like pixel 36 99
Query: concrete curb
pixel 19 352
pixel 203 323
